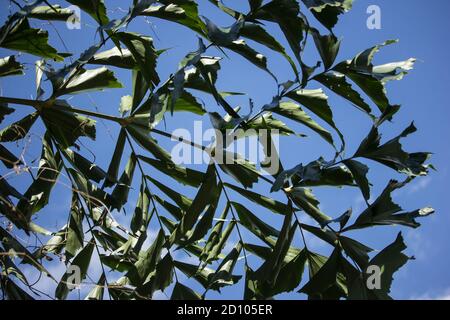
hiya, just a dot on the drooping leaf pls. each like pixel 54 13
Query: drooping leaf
pixel 90 80
pixel 271 204
pixel 389 260
pixel 337 82
pixel 328 47
pixel 305 200
pixel 80 263
pixel 38 194
pixel 66 127
pixel 55 12
pixel 327 11
pixel 286 14
pixel 184 12
pixel 9 67
pixel 359 172
pixel 75 235
pixel 19 129
pixel 98 291
pixel 181 292
pixel 96 9
pixel 391 153
pixel 144 53
pixel 21 37
pixel 294 112
pixel 122 189
pixel 4 111
pixel 255 225
pixel 317 102
pixel 383 211
pixel 89 169
pixel 242 170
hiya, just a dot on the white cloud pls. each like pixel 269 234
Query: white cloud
pixel 443 295
pixel 422 183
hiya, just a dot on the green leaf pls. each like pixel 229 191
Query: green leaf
pixel 66 127
pixel 21 37
pixel 326 276
pixel 317 102
pixel 184 12
pixel 239 168
pixel 147 261
pixel 140 88
pixel 389 260
pixel 94 197
pixel 89 80
pixel 38 194
pixel 305 200
pixel 359 172
pixel 10 243
pixel 188 103
pixel 181 292
pixel 55 12
pixel 383 211
pixel 294 112
pixel 327 11
pixel 141 217
pixel 255 225
pixel 271 204
pixel 9 67
pixel 75 235
pixel 391 153
pixel 328 47
pixel 113 169
pixel 224 273
pixel 289 277
pixel 144 53
pixel 286 14
pixel 207 194
pixel 268 122
pixel 120 58
pixel 82 261
pixel 223 36
pixel 270 269
pixel 4 111
pixel 212 192
pixel 13 291
pixel 98 291
pixel 201 275
pixel 18 130
pixel 361 71
pixel 316 173
pixel 8 158
pixel 216 240
pixel 242 48
pixel 142 136
pixel 257 33
pixel 122 189
pixel 7 190
pixel 337 82
pixel 89 169
pixel 182 201
pixel 96 9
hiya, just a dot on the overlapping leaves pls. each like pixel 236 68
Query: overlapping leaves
pixel 205 225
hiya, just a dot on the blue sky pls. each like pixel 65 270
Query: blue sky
pixel 422 31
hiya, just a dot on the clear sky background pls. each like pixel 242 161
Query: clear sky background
pixel 423 33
